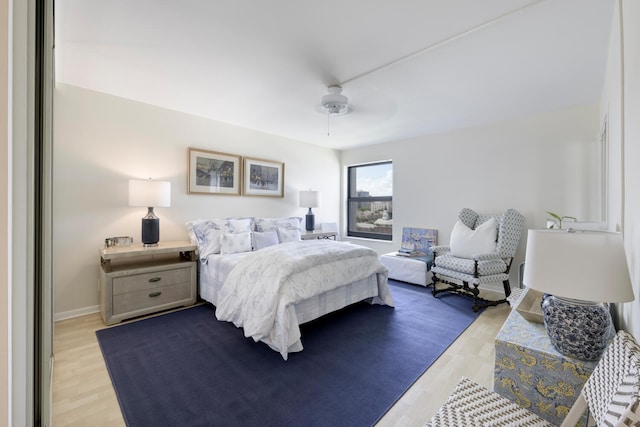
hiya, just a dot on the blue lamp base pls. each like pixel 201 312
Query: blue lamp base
pixel 310 221
pixel 150 229
pixel 578 329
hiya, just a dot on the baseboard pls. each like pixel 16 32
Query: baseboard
pixel 76 313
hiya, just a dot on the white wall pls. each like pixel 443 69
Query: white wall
pixel 611 108
pixel 531 164
pixel 102 141
pixel 631 151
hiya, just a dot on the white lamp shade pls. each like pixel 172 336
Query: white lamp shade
pixel 309 199
pixel 581 265
pixel 149 193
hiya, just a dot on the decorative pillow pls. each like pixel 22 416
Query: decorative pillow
pixel 191 230
pixel 250 218
pixel 291 222
pixel 263 239
pixel 268 224
pixel 234 243
pixel 239 225
pixel 207 233
pixel 265 224
pixel 465 242
pixel 288 234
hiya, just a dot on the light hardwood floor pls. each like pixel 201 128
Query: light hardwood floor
pixel 83 395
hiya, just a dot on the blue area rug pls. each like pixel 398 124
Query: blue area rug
pixel 188 369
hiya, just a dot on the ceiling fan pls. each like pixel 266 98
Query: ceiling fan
pixel 335 102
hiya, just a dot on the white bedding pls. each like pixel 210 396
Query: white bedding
pixel 257 290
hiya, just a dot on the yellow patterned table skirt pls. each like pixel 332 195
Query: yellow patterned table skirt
pixel 530 372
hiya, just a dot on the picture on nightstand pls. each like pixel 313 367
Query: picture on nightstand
pixel 118 241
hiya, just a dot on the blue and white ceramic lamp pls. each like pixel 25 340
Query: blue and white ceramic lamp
pixel 580 272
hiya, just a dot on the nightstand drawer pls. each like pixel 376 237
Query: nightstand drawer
pixel 131 301
pixel 152 280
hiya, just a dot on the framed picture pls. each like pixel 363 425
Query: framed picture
pixel 263 178
pixel 211 172
pixel 417 241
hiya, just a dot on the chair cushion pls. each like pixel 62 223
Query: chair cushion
pixel 473 405
pixel 467 266
pixel 467 243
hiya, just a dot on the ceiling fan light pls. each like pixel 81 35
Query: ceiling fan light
pixel 334 102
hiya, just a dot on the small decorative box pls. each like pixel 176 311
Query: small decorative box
pixel 529 306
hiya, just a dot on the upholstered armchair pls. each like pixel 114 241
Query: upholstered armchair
pixel 480 251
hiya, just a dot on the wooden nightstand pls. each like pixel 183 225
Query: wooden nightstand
pixel 137 280
pixel 319 235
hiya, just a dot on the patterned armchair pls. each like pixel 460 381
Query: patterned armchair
pixel 463 270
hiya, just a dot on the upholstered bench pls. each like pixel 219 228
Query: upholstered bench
pixel 407 269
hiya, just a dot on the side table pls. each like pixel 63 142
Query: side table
pixel 137 280
pixel 531 372
pixel 319 235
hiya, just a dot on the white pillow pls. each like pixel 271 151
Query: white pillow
pixel 208 234
pixel 465 242
pixel 288 234
pixel 191 230
pixel 268 224
pixel 290 222
pixel 239 225
pixel 263 239
pixel 265 224
pixel 234 243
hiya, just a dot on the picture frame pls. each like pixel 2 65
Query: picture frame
pixel 212 172
pixel 263 177
pixel 417 241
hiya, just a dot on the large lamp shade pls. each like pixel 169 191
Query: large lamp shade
pixel 149 193
pixel 583 265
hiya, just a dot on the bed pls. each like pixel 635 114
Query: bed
pixel 269 291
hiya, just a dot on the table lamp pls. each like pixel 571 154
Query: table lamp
pixel 150 194
pixel 580 271
pixel 310 199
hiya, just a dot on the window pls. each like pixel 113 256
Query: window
pixel 369 200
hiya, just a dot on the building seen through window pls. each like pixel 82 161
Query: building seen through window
pixel 370 200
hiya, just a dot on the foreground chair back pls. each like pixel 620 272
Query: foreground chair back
pixel 463 274
pixel 612 395
pixel 612 392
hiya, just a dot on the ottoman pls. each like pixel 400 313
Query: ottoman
pixel 407 269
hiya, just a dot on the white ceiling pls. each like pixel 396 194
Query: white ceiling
pixel 408 67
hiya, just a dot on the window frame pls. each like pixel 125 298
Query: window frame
pixel 351 200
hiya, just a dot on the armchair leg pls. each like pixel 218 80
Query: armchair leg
pixel 466 290
pixel 507 288
pixel 433 285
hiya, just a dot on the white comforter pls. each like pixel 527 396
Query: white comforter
pixel 259 290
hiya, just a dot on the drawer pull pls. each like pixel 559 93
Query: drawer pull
pixel 155 279
pixel 155 294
